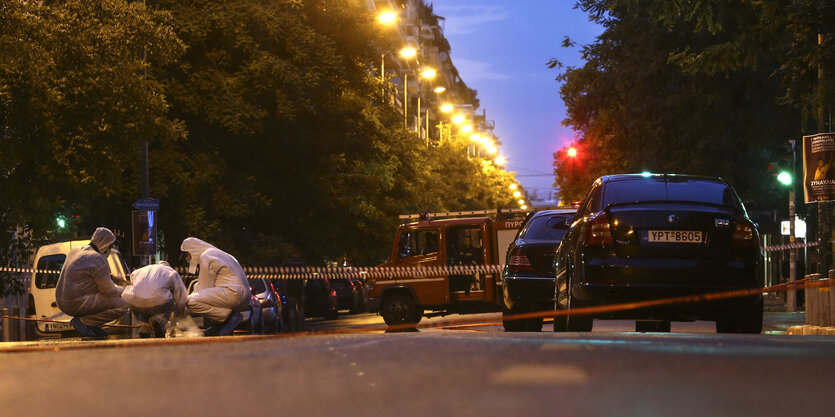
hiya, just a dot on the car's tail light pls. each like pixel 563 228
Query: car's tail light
pixel 743 233
pixel 333 293
pixel 598 231
pixel 518 261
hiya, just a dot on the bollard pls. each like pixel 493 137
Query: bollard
pixel 823 305
pixel 15 324
pixel 811 300
pixel 6 326
pixel 29 328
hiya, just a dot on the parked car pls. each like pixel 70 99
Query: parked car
pixel 652 236
pixel 320 299
pixel 362 293
pixel 48 261
pixel 271 304
pixel 347 297
pixel 528 275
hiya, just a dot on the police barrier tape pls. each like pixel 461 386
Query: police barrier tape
pixel 775 248
pixel 313 272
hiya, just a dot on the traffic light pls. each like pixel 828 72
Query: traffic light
pixel 783 164
pixel 61 221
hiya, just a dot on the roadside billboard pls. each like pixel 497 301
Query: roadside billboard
pixel 818 177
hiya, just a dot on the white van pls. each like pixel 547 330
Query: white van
pixel 48 262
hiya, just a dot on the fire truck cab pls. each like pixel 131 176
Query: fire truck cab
pixel 450 264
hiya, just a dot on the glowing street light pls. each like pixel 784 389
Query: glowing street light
pixel 439 89
pixel 491 150
pixel 408 52
pixel 523 207
pixel 446 108
pixel 475 137
pixel 521 202
pixel 387 17
pixel 428 73
pixel 513 186
pixel 516 194
pixel 458 119
pixel 572 152
pixel 467 128
pixel 500 160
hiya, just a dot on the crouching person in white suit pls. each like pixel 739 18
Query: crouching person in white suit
pixel 222 291
pixel 156 293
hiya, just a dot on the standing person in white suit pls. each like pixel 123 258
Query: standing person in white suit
pixel 222 291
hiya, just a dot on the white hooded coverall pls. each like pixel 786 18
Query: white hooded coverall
pixel 221 283
pixel 156 289
pixel 85 289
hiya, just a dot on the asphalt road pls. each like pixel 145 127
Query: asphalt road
pixel 456 370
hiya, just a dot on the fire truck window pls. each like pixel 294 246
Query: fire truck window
pixel 466 247
pixel 418 242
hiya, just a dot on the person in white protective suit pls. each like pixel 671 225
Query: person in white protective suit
pixel 222 291
pixel 85 289
pixel 156 291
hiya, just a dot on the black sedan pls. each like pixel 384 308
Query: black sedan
pixel 528 277
pixel 646 237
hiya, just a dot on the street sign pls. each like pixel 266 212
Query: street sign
pixel 147 204
pixel 144 233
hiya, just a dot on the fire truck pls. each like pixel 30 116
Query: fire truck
pixel 444 263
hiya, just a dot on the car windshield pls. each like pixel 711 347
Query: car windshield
pixel 549 227
pixel 659 188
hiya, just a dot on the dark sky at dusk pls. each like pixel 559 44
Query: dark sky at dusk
pixel 501 48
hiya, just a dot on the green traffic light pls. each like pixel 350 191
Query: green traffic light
pixel 785 178
pixel 61 222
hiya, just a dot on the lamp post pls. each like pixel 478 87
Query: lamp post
pixel 407 52
pixel 428 73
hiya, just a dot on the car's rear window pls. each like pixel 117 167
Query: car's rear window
pixel 668 189
pixel 547 227
pixel 257 285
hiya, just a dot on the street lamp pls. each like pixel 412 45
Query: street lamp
pixel 427 73
pixel 439 89
pixel 387 17
pixel 500 160
pixel 407 53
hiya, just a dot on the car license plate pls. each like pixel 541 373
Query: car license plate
pixel 57 327
pixel 673 236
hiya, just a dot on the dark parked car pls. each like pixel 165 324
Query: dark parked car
pixel 528 278
pixel 271 305
pixel 347 294
pixel 651 236
pixel 320 299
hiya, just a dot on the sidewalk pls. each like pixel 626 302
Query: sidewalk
pixel 774 304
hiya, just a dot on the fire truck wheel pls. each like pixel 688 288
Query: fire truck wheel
pixel 399 309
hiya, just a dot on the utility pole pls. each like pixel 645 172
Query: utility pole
pixel 824 207
pixel 791 296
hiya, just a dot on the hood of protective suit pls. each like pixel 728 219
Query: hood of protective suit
pixel 195 247
pixel 104 239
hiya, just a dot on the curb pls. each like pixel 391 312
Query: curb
pixel 808 330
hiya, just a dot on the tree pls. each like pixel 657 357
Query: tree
pixel 73 107
pixel 638 109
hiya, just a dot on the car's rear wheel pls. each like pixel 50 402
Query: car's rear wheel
pixel 651 326
pixel 577 322
pixel 749 321
pixel 400 309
